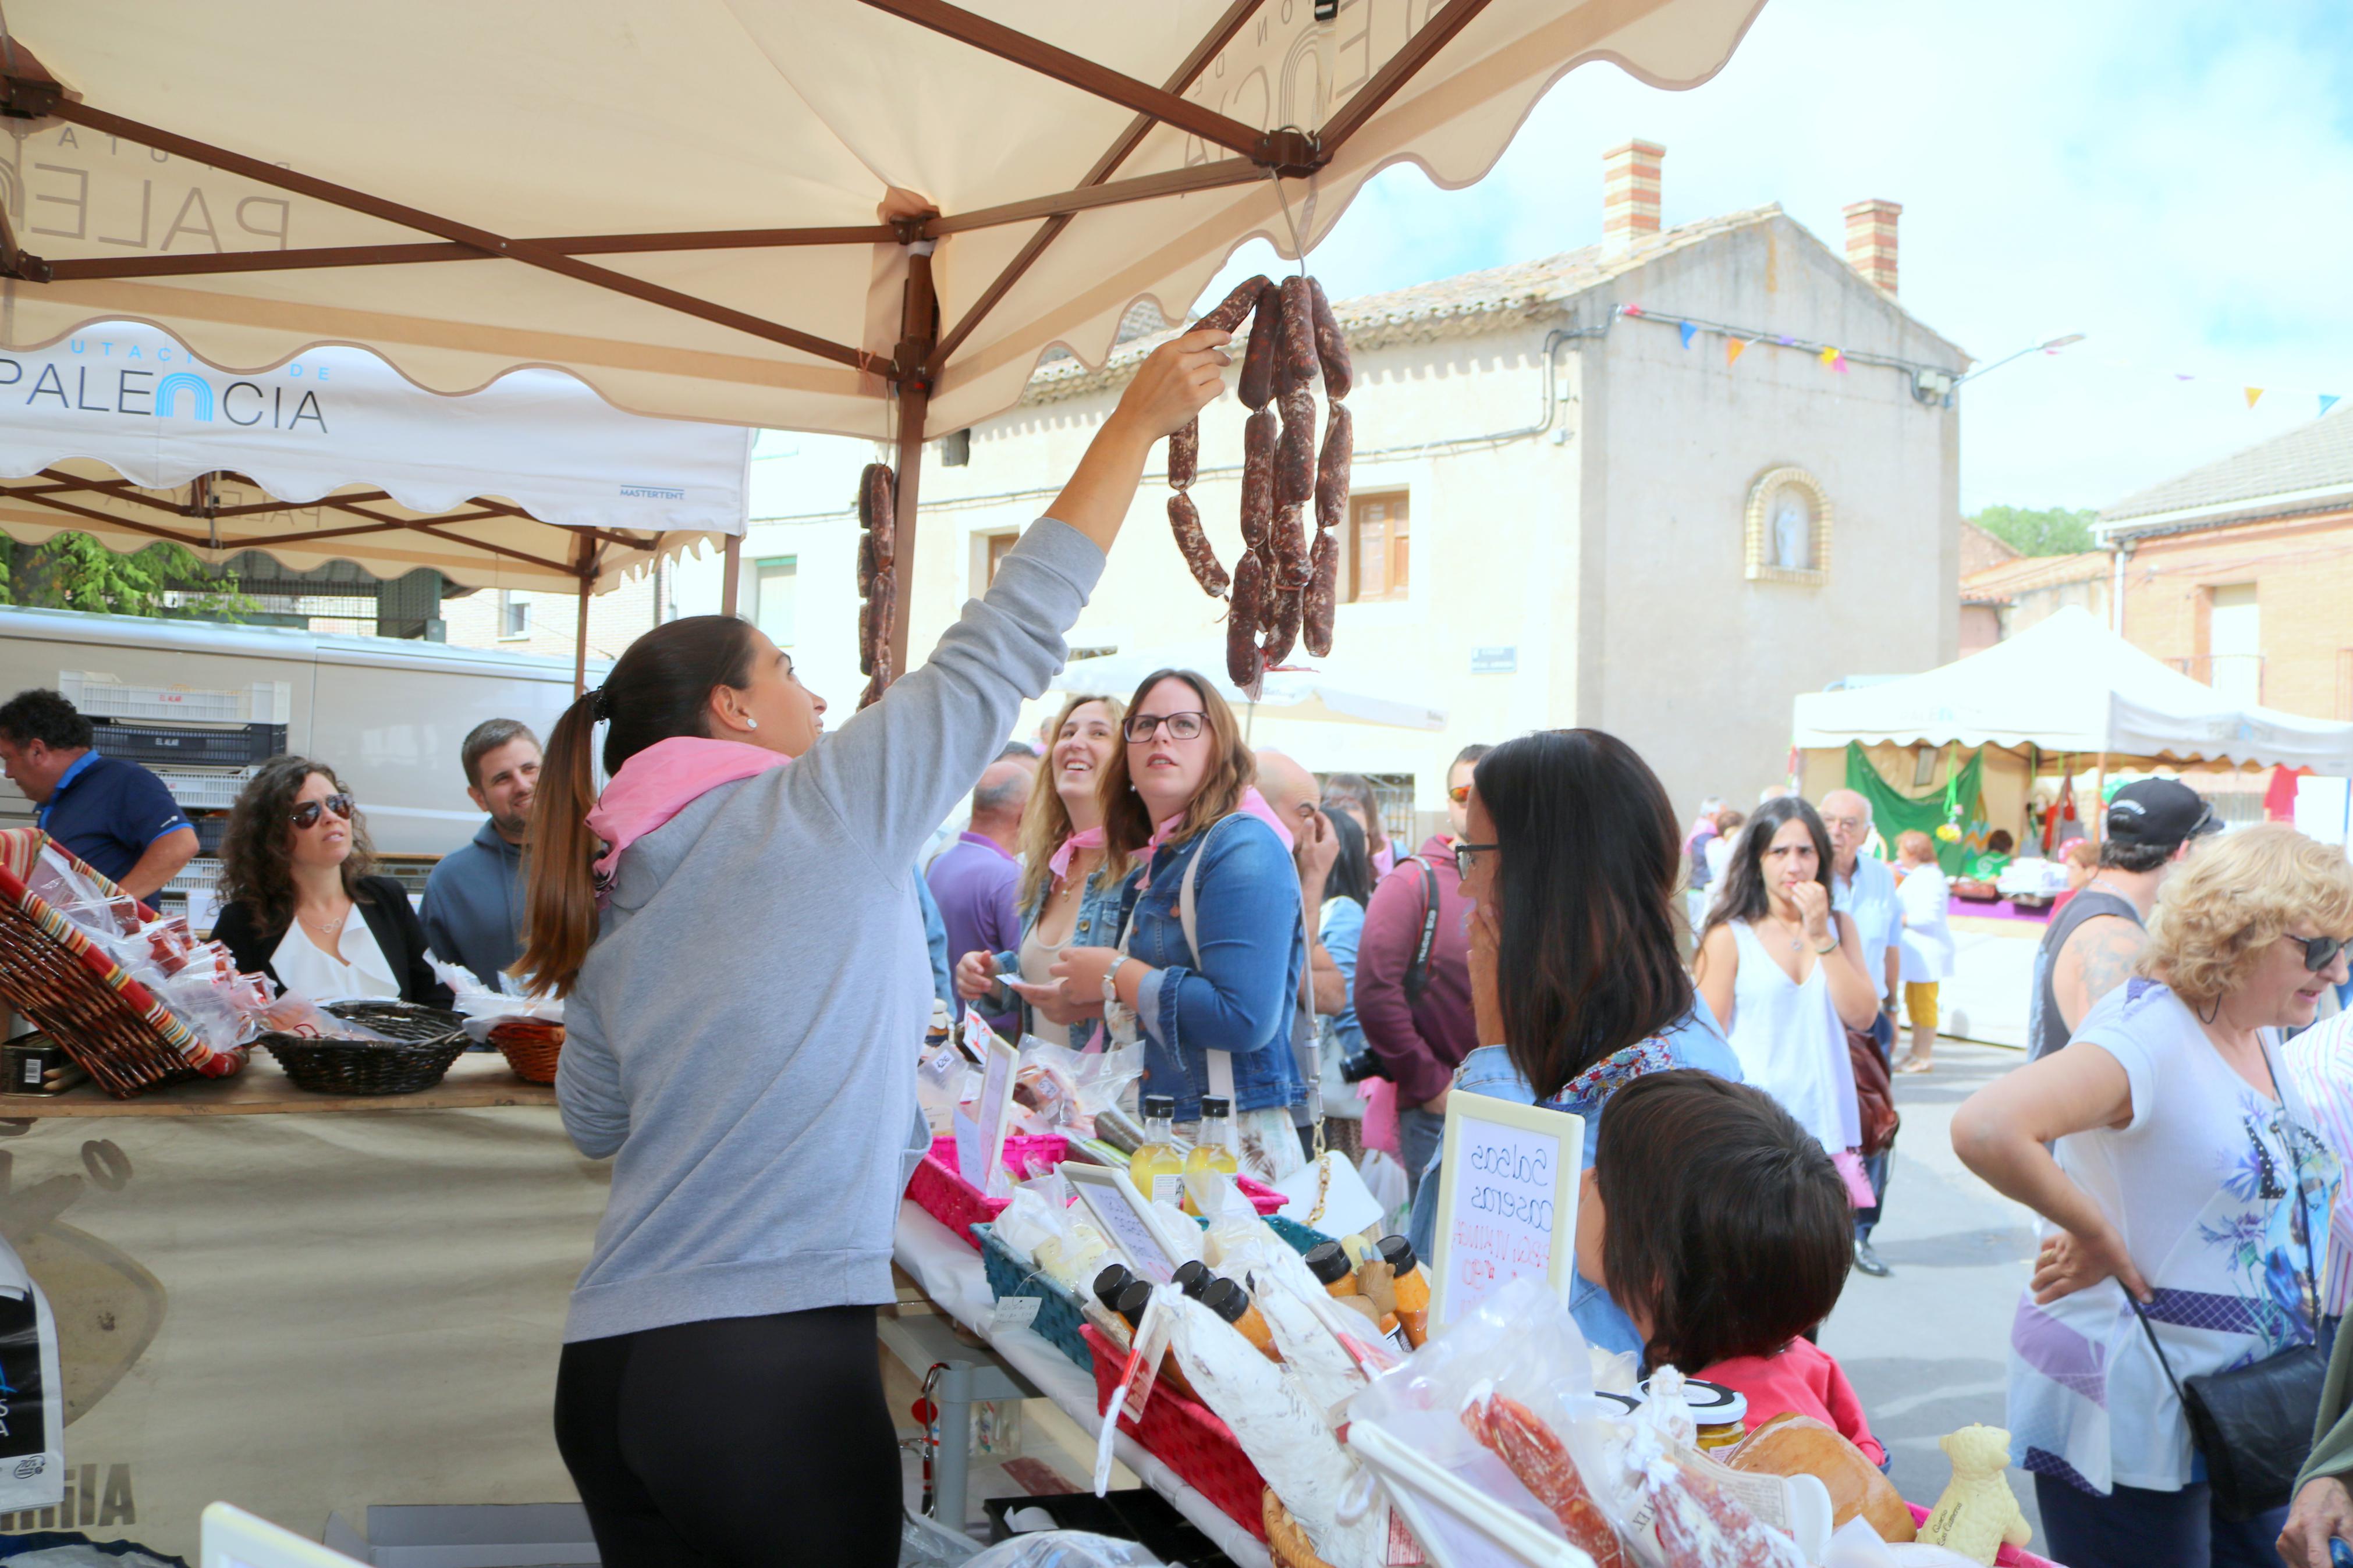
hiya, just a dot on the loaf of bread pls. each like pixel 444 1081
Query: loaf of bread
pixel 1791 1445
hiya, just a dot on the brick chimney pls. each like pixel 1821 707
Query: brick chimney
pixel 1629 194
pixel 1871 241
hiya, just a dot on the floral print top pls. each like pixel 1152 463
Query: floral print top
pixel 2223 1194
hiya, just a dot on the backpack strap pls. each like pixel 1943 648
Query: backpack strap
pixel 1221 1063
pixel 1417 974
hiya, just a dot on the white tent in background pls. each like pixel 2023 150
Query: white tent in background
pixel 2068 685
pixel 1299 695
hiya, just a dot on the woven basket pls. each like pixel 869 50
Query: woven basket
pixel 426 1041
pixel 941 1190
pixel 1059 1315
pixel 75 993
pixel 1188 1439
pixel 531 1052
pixel 1286 1543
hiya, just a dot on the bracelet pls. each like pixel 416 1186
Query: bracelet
pixel 1826 951
pixel 1111 981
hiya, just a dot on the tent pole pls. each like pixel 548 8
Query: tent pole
pixel 917 332
pixel 2099 823
pixel 732 574
pixel 580 641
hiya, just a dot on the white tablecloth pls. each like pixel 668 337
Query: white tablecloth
pixel 949 1272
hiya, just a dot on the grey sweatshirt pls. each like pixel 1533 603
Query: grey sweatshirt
pixel 743 1033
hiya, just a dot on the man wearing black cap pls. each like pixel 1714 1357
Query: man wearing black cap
pixel 2090 948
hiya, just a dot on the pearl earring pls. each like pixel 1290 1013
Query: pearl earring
pixel 751 723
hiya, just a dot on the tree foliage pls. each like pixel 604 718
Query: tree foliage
pixel 2051 531
pixel 165 580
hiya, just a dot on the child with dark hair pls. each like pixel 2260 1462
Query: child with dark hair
pixel 1722 1229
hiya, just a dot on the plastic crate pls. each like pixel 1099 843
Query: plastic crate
pixel 196 876
pixel 210 831
pixel 1059 1315
pixel 213 790
pixel 160 745
pixel 103 697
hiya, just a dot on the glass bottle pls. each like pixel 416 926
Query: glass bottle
pixel 1158 1166
pixel 1213 1149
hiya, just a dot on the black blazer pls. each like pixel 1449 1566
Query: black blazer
pixel 391 920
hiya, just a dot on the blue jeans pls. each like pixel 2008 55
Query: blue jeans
pixel 1419 1134
pixel 2135 1527
pixel 1883 1029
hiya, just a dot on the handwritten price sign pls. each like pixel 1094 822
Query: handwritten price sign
pixel 1507 1200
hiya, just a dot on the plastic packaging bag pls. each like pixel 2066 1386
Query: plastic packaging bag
pixel 1062 1549
pixel 32 1435
pixel 1057 1089
pixel 1059 1241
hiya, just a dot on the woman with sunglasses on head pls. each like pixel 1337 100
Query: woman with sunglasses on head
pixel 2187 1195
pixel 1216 1009
pixel 297 901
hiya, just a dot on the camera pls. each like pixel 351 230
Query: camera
pixel 1360 1067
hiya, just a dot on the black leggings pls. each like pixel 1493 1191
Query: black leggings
pixel 739 1440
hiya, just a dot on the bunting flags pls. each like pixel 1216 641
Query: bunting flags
pixel 2327 402
pixel 1733 349
pixel 2254 395
pixel 1834 359
pixel 1690 332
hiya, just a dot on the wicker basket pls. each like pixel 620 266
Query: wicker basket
pixel 74 992
pixel 941 1190
pixel 426 1040
pixel 1059 1315
pixel 530 1047
pixel 1286 1544
pixel 1188 1439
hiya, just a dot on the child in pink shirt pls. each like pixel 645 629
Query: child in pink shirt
pixel 1723 1230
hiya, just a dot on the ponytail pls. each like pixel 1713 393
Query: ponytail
pixel 559 887
pixel 659 687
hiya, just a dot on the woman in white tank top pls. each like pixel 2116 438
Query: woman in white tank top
pixel 1784 973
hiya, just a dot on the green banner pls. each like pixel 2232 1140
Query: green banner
pixel 1894 814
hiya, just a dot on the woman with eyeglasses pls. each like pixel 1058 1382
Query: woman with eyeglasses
pixel 1572 860
pixel 2186 1193
pixel 294 873
pixel 1217 1006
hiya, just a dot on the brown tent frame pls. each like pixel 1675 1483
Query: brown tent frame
pixel 27 91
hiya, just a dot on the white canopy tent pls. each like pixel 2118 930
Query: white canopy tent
pixel 1294 694
pixel 2068 685
pixel 861 216
pixel 532 482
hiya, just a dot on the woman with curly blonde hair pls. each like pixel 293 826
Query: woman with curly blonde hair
pixel 2188 1197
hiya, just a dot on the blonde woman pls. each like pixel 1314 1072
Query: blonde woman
pixel 2186 1193
pixel 1071 892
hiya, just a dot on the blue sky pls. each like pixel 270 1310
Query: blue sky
pixel 2173 180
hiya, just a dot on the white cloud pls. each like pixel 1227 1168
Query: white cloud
pixel 2173 180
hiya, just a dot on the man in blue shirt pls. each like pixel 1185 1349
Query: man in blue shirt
pixel 473 900
pixel 114 815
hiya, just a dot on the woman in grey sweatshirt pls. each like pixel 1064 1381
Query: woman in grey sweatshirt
pixel 744 1017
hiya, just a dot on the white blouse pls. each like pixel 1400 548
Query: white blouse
pixel 357 967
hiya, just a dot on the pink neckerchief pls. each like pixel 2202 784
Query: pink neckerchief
pixel 1085 838
pixel 662 781
pixel 1252 804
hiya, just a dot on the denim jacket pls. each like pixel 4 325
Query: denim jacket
pixel 1240 993
pixel 1695 1041
pixel 1102 910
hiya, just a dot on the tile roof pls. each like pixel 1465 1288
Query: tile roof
pixel 2310 468
pixel 1998 584
pixel 1460 305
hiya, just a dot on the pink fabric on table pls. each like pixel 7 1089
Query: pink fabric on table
pixel 662 781
pixel 1380 1129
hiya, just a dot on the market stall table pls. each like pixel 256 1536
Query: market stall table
pixel 475 1081
pixel 949 1273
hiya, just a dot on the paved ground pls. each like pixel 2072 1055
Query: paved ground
pixel 1926 1348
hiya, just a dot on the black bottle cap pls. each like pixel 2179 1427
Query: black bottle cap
pixel 1329 1263
pixel 1228 1299
pixel 1398 1252
pixel 1160 1105
pixel 1193 1277
pixel 1111 1282
pixel 1212 1106
pixel 1132 1302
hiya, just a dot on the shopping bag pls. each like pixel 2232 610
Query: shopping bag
pixel 32 1399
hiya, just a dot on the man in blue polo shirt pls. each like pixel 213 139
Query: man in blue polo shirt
pixel 115 814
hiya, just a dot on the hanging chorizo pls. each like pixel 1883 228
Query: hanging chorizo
pixel 1259 438
pixel 1295 463
pixel 1184 454
pixel 1331 348
pixel 1242 618
pixel 1287 543
pixel 1294 364
pixel 866 638
pixel 1233 307
pixel 1185 521
pixel 1332 467
pixel 1323 597
pixel 1257 385
pixel 1283 625
pixel 883 512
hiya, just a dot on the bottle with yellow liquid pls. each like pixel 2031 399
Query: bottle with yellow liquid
pixel 1158 1166
pixel 1213 1149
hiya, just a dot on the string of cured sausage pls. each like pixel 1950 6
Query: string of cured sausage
pixel 1286 586
pixel 878 577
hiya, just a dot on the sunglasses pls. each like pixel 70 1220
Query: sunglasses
pixel 1458 794
pixel 2319 952
pixel 307 815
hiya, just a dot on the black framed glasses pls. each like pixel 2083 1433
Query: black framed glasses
pixel 1142 727
pixel 307 815
pixel 2319 952
pixel 1466 856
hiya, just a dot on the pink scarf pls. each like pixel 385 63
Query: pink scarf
pixel 1085 838
pixel 1252 804
pixel 662 781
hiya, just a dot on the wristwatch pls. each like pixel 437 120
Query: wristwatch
pixel 1111 982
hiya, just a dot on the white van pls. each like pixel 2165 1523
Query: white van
pixel 388 715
